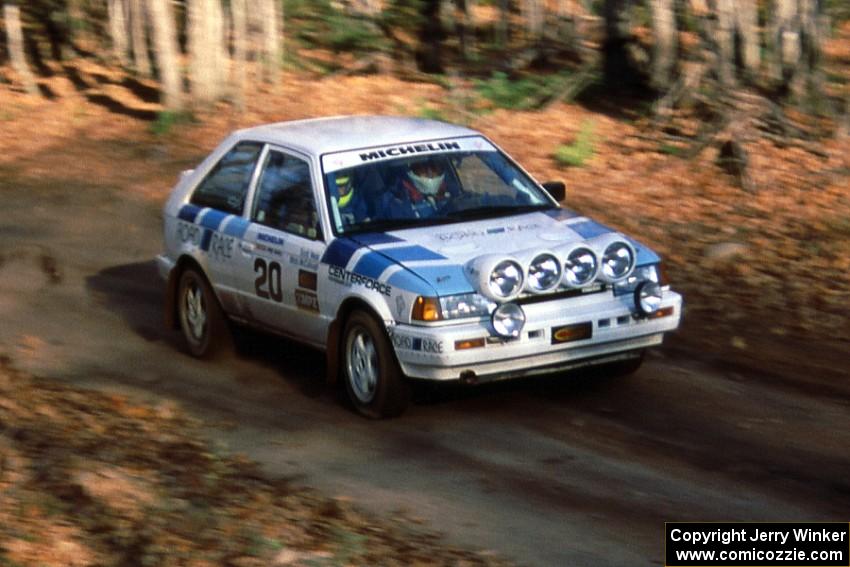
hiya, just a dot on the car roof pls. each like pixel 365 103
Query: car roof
pixel 339 133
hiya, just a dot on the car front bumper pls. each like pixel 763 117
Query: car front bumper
pixel 617 334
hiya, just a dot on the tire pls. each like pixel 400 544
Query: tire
pixel 373 379
pixel 201 318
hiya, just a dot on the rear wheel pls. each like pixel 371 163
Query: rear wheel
pixel 201 318
pixel 373 379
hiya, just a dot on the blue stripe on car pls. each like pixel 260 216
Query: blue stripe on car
pixel 205 239
pixel 446 279
pixel 561 214
pixel 373 238
pixel 237 227
pixel 371 265
pixel 408 281
pixel 411 254
pixel 212 219
pixel 188 213
pixel 589 229
pixel 340 252
pixel 645 256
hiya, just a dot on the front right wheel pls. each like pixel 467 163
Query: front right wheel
pixel 374 382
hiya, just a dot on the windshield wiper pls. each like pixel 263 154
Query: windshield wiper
pixel 495 211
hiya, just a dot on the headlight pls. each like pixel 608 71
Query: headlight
pixel 649 273
pixel 580 267
pixel 617 261
pixel 648 297
pixel 544 272
pixel 465 305
pixel 506 279
pixel 508 320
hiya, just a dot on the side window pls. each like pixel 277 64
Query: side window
pixel 225 187
pixel 285 196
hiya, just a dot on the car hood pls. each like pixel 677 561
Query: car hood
pixel 431 259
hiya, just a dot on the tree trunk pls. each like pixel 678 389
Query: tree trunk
pixel 138 38
pixel 207 66
pixel 165 49
pixel 238 11
pixel 725 37
pixel 664 44
pixel 503 26
pixel 15 39
pixel 271 40
pixel 796 38
pixel 618 68
pixel 429 52
pixel 746 12
pixel 465 27
pixel 118 30
pixel 532 11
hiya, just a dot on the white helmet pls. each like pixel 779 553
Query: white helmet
pixel 427 176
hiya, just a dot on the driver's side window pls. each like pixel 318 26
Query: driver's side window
pixel 284 198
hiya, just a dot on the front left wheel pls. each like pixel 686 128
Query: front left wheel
pixel 201 317
pixel 373 379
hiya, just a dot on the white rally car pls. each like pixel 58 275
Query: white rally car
pixel 403 248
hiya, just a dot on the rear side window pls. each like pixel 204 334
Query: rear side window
pixel 285 196
pixel 225 187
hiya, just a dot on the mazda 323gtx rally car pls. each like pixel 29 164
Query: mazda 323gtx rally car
pixel 403 248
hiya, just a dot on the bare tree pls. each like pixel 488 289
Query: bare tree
pixel 239 17
pixel 165 49
pixel 664 45
pixel 725 38
pixel 795 42
pixel 138 38
pixel 207 66
pixel 618 65
pixel 118 29
pixel 532 12
pixel 271 25
pixel 15 39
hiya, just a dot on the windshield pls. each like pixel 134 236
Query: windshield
pixel 435 188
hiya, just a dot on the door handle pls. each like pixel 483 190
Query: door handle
pixel 247 247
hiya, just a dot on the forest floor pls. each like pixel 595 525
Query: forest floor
pixel 763 272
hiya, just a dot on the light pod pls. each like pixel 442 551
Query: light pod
pixel 496 276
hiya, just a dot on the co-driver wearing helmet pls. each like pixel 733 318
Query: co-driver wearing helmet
pixel 350 204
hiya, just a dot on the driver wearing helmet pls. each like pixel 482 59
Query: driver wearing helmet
pixel 350 204
pixel 421 192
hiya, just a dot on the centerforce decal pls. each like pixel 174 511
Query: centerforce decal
pixel 344 277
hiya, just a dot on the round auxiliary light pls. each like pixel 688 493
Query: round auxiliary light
pixel 505 279
pixel 647 297
pixel 580 267
pixel 544 272
pixel 617 261
pixel 508 320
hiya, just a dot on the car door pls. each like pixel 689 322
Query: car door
pixel 279 253
pixel 218 202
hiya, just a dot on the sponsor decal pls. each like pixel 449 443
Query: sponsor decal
pixel 567 333
pixel 307 280
pixel 409 149
pixel 306 259
pixel 221 246
pixel 270 238
pixel 271 250
pixel 459 235
pixel 406 342
pixel 344 277
pixel 307 300
pixel 189 233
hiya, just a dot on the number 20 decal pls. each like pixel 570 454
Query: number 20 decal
pixel 269 276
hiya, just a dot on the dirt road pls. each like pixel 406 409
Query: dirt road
pixel 575 471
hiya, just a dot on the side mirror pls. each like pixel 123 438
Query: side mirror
pixel 556 189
